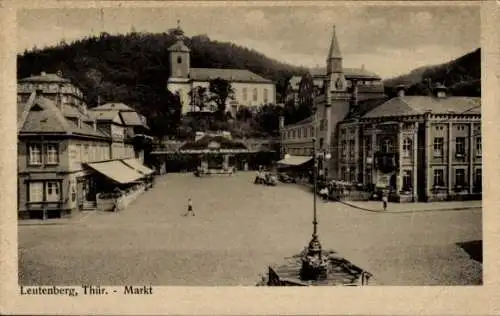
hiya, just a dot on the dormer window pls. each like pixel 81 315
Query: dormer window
pixel 179 60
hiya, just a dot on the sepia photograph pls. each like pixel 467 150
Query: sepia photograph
pixel 249 146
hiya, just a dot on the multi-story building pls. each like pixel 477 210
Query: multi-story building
pixel 250 89
pixel 61 145
pixel 420 148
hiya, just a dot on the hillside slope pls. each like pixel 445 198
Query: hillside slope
pixel 462 76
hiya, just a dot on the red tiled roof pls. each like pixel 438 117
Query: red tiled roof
pixel 415 105
pixel 234 75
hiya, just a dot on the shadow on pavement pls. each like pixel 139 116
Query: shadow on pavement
pixel 474 249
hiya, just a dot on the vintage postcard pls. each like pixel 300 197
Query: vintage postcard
pixel 249 157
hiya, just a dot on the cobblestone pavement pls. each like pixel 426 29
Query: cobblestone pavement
pixel 239 229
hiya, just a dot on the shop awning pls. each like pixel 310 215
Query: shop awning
pixel 294 160
pixel 135 164
pixel 117 171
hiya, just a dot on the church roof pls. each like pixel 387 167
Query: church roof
pixel 179 46
pixel 232 75
pixel 417 105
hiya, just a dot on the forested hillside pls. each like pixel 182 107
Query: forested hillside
pixel 462 76
pixel 134 68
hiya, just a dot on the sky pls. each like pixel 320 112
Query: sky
pixel 388 40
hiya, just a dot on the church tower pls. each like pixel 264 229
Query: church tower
pixel 179 55
pixel 335 80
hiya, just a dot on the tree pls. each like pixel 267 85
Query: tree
pixel 220 92
pixel 199 97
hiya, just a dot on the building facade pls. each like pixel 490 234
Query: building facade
pixel 250 89
pixel 58 140
pixel 419 148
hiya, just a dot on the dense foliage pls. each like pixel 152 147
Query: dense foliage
pixel 462 76
pixel 134 68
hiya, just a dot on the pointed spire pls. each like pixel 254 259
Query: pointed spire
pixel 334 46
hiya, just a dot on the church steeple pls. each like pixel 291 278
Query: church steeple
pixel 334 59
pixel 179 54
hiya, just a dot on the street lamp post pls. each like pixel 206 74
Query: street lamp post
pixel 314 263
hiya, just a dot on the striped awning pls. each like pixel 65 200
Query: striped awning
pixel 117 171
pixel 294 160
pixel 135 164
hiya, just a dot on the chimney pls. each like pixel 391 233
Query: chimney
pixel 440 90
pixel 400 90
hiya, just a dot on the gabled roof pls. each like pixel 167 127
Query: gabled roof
pixel 113 106
pixel 41 115
pixel 416 105
pixel 45 77
pixel 232 75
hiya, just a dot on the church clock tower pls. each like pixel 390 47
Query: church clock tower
pixel 334 73
pixel 179 55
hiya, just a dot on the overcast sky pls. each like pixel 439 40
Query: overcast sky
pixel 388 40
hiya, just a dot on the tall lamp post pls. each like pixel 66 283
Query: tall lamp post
pixel 314 263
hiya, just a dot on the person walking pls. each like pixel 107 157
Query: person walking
pixel 384 201
pixel 189 208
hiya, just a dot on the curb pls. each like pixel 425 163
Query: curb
pixel 411 211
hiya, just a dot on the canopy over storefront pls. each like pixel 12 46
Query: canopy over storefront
pixel 137 166
pixel 214 144
pixel 294 160
pixel 117 171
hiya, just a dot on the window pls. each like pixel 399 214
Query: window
pixel 305 132
pixel 78 152
pixel 352 175
pixel 299 132
pixel 407 180
pixel 407 148
pixel 351 148
pixel 265 96
pixel 343 148
pixel 244 94
pixel 478 180
pixel 438 177
pixel 368 146
pixel 254 94
pixel 438 146
pixel 35 191
pixel 459 177
pixel 35 154
pixel 293 134
pixel 479 146
pixel 52 191
pixel 85 156
pixel 52 157
pixel 179 59
pixel 460 146
pixel 344 174
pixel 387 145
pixel 311 130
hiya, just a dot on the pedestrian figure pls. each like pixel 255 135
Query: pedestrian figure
pixel 189 208
pixel 384 201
